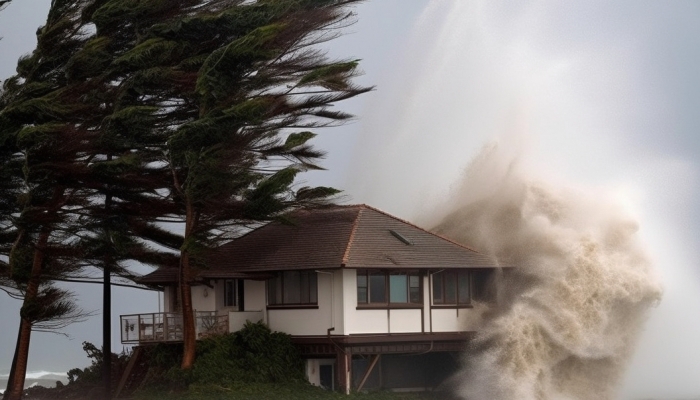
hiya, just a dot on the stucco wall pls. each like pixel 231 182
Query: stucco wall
pixel 254 295
pixel 309 321
pixel 203 298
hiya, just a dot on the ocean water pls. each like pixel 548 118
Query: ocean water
pixel 37 378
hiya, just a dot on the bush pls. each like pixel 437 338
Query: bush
pixel 254 354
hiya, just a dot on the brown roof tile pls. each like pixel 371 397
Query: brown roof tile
pixel 357 236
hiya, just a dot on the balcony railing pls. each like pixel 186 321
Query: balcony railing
pixel 167 327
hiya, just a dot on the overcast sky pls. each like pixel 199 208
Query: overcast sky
pixel 606 95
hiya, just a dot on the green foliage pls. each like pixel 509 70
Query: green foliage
pixel 92 375
pixel 254 354
pixel 298 139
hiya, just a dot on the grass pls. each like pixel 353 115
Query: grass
pixel 267 391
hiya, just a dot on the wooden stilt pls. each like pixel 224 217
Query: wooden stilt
pixel 344 370
pixel 375 358
pixel 127 372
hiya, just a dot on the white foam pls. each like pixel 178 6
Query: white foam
pixel 41 375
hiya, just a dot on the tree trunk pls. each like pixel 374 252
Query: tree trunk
pixel 15 387
pixel 189 333
pixel 18 371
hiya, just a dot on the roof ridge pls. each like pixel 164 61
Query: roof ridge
pixel 419 228
pixel 355 223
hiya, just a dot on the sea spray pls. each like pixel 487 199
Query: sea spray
pixel 568 316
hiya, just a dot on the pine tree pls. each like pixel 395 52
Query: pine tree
pixel 40 146
pixel 239 87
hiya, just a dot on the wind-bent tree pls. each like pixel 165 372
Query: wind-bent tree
pixel 35 128
pixel 238 86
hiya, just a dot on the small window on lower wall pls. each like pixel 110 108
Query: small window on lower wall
pixel 452 288
pixel 292 288
pixel 377 288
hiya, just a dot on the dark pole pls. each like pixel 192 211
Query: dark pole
pixel 107 305
pixel 107 332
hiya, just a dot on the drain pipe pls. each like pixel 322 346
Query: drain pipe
pixel 430 295
pixel 341 351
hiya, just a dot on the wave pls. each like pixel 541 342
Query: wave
pixel 40 375
pixel 568 317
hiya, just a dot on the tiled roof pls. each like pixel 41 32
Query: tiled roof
pixel 357 236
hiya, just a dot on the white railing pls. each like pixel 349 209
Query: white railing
pixel 153 327
pixel 167 327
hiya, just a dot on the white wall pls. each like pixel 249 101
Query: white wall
pixel 203 298
pixel 254 295
pixel 455 319
pixel 310 321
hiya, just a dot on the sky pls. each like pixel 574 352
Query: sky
pixel 603 96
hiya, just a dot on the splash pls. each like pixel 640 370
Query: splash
pixel 568 317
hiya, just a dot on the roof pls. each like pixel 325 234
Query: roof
pixel 355 236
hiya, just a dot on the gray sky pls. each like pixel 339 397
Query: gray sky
pixel 606 95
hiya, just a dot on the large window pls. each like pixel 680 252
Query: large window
pixel 293 288
pixel 384 287
pixel 452 287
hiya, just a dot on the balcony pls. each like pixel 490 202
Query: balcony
pixel 166 327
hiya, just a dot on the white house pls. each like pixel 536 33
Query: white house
pixel 371 300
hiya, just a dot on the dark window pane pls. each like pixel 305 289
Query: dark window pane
pixel 415 295
pixel 464 287
pixel 398 288
pixel 305 290
pixel 313 288
pixel 274 288
pixel 414 281
pixel 377 288
pixel 361 279
pixel 361 286
pixel 229 293
pixel 437 288
pixel 450 287
pixel 292 287
pixel 362 295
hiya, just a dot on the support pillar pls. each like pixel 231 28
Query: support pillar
pixel 344 370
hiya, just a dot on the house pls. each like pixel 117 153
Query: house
pixel 371 300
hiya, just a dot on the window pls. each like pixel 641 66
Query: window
pixel 452 288
pixel 292 288
pixel 383 287
pixel 230 293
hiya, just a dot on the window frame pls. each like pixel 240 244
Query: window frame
pixel 307 279
pixel 364 285
pixel 440 277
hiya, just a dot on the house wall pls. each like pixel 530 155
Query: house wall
pixel 254 295
pixel 312 321
pixel 454 319
pixel 375 321
pixel 403 320
pixel 203 298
